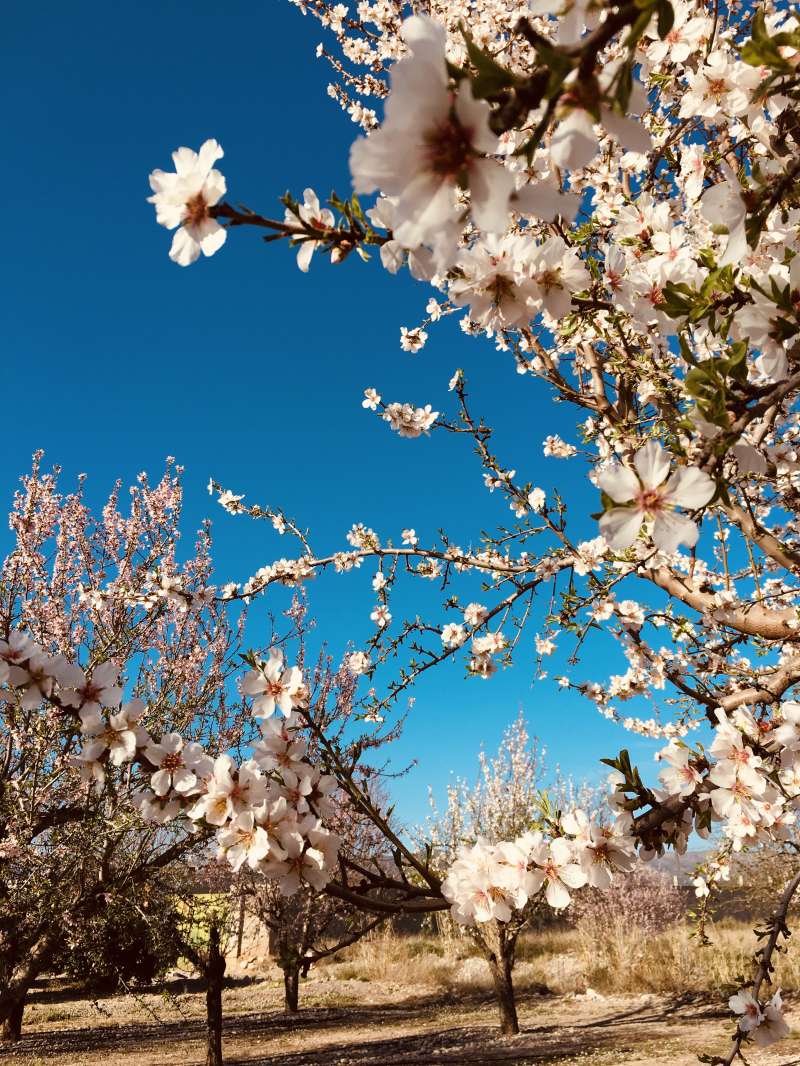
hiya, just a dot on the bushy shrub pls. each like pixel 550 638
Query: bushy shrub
pixel 123 943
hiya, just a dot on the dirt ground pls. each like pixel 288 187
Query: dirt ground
pixel 353 1023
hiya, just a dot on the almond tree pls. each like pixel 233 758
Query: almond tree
pixel 305 928
pixel 69 837
pixel 501 805
pixel 609 194
pixel 506 802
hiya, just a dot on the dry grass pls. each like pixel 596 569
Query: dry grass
pixel 619 959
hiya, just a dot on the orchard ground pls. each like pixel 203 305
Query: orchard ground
pixel 420 1000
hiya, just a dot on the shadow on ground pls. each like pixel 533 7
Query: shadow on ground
pixel 623 1030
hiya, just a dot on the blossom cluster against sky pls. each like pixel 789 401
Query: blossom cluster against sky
pixel 243 368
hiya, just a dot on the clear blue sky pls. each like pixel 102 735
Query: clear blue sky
pixel 240 366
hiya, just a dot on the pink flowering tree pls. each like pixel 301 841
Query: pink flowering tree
pixel 610 195
pixel 109 640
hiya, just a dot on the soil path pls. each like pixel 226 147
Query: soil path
pixel 414 1030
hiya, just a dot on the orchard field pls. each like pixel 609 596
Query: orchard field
pixel 412 999
pixel 400 591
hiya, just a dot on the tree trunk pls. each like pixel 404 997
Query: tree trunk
pixel 11 1017
pixel 214 973
pixel 504 990
pixel 18 978
pixel 291 985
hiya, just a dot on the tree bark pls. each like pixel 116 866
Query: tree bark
pixel 291 986
pixel 215 974
pixel 17 981
pixel 504 991
pixel 11 1017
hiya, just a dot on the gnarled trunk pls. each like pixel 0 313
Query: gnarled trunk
pixel 17 978
pixel 291 986
pixel 504 991
pixel 497 942
pixel 214 975
pixel 11 1012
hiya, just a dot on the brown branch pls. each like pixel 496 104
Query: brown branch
pixel 766 541
pixel 778 929
pixel 751 619
pixel 323 953
pixel 385 906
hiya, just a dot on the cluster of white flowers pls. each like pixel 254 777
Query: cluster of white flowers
pixel 266 811
pixel 438 167
pixel 409 421
pixel 492 880
pixel 748 781
pixel 34 676
pixel 484 646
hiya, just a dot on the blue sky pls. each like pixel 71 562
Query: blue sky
pixel 241 367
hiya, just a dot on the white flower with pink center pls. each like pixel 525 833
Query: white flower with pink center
pixel 119 736
pixel 183 198
pixel 432 141
pixel 243 841
pixel 557 871
pixel 650 494
pixel 178 765
pixel 681 775
pixel 274 686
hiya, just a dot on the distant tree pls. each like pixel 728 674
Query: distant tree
pixel 305 928
pixel 206 931
pixel 504 803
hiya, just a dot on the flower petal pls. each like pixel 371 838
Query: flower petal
pixel 490 186
pixel 620 526
pixel 185 249
pixel 672 529
pixel 557 895
pixel 619 483
pixel 572 875
pixel 652 463
pixel 690 487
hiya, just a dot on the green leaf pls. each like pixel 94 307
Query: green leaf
pixel 686 351
pixel 491 77
pixel 666 18
pixel 640 25
pixel 762 50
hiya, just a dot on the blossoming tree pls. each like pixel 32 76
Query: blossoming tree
pixel 610 194
pixel 82 671
pixel 507 803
